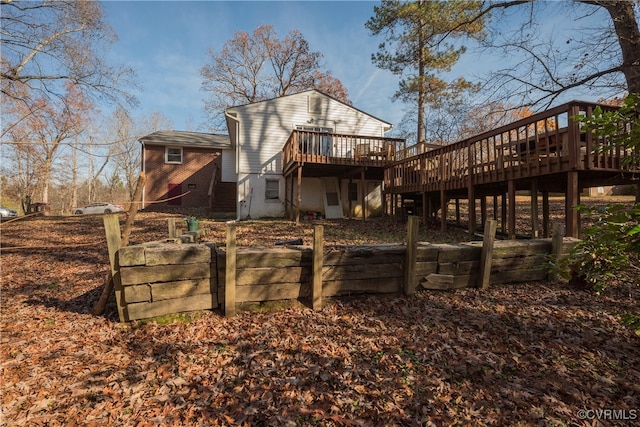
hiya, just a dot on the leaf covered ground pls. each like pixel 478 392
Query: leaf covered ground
pixel 520 354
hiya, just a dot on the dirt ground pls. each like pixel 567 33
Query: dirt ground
pixel 522 354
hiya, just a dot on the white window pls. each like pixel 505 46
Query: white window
pixel 173 155
pixel 272 190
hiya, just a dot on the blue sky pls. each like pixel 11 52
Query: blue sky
pixel 166 42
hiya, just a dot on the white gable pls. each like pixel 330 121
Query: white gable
pixel 263 127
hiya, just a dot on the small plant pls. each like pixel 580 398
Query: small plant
pixel 609 246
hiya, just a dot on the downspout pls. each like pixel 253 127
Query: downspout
pixel 237 133
pixel 144 171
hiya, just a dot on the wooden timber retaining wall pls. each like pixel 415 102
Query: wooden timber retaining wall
pixel 162 278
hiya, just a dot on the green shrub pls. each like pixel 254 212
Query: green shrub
pixel 609 246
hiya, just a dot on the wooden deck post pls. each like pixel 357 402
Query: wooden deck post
pixel 495 207
pixel 512 209
pixel 410 257
pixel 572 198
pixel 457 211
pixel 349 193
pixel 230 272
pixel 443 209
pixel 483 210
pixel 556 246
pixel 363 188
pixel 318 263
pixel 545 214
pixel 535 225
pixel 472 209
pixel 503 213
pixel 299 195
pixel 487 253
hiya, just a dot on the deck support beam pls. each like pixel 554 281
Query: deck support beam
pixel 512 209
pixel 299 195
pixel 503 212
pixel 545 214
pixel 535 225
pixel 363 188
pixel 472 209
pixel 443 209
pixel 572 199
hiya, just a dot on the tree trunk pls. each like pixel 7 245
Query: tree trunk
pixel 626 27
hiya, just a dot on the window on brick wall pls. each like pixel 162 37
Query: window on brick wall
pixel 272 189
pixel 173 155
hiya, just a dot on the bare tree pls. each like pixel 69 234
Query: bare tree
pixel 46 44
pixel 258 66
pixel 603 56
pixel 124 132
pixel 48 125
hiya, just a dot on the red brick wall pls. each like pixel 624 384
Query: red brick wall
pixel 193 175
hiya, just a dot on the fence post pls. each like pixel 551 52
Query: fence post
pixel 230 273
pixel 487 252
pixel 114 243
pixel 556 247
pixel 171 224
pixel 410 258
pixel 318 262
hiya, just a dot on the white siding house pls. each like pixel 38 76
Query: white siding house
pixel 259 131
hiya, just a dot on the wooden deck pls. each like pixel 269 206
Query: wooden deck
pixel 338 150
pixel 547 152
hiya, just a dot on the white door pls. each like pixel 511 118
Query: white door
pixel 332 201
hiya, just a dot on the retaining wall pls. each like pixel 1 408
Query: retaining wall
pixel 162 278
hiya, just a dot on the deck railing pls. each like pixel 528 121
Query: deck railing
pixel 339 149
pixel 544 143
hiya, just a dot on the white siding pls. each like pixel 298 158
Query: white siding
pixel 263 130
pixel 265 127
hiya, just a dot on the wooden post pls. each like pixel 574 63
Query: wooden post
pixel 457 211
pixel 410 258
pixel 472 209
pixel 503 213
pixel 230 273
pixel 512 209
pixel 349 197
pixel 363 196
pixel 483 209
pixel 114 243
pixel 535 225
pixel 545 213
pixel 487 252
pixel 556 246
pixel 318 263
pixel 171 224
pixel 299 195
pixel 572 199
pixel 443 209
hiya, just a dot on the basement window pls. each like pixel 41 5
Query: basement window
pixel 272 190
pixel 173 155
